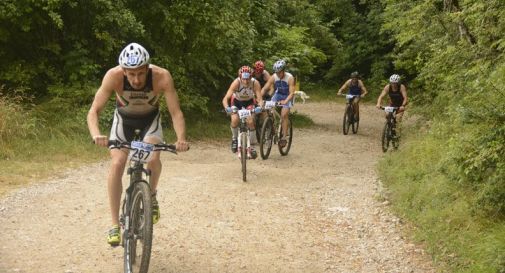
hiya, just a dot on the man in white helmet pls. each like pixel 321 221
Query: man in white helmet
pixel 397 93
pixel 137 86
pixel 284 85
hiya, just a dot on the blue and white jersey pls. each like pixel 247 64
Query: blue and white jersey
pixel 281 86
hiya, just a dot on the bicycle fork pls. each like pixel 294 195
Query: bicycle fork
pixel 247 144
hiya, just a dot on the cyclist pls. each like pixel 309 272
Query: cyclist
pixel 397 93
pixel 357 88
pixel 244 92
pixel 262 76
pixel 284 86
pixel 137 86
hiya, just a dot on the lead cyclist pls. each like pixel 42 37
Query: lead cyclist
pixel 137 86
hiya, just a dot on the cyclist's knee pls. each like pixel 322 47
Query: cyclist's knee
pixel 118 158
pixel 152 139
pixel 284 113
pixel 234 123
pixel 155 161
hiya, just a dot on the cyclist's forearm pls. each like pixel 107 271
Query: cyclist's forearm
pixel 179 126
pixel 92 119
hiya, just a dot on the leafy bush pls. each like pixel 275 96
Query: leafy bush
pixel 17 123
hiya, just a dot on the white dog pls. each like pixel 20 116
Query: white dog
pixel 302 95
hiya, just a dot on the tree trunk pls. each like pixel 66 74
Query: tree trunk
pixel 464 33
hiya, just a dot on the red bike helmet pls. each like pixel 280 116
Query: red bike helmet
pixel 259 66
pixel 245 72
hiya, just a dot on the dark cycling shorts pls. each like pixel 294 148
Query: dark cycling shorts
pixel 123 126
pixel 247 104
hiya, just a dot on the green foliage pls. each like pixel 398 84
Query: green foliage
pixel 455 232
pixel 457 57
pixel 295 46
pixel 44 43
pixel 16 123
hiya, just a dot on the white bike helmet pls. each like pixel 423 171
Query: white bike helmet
pixel 133 56
pixel 280 65
pixel 395 78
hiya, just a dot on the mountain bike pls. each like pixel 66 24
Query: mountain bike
pixel 271 131
pixel 243 141
pixel 136 218
pixel 389 134
pixel 349 118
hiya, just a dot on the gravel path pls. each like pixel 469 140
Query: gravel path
pixel 314 210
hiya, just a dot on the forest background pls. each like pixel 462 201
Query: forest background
pixel 448 179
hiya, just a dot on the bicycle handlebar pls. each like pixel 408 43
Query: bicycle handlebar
pixel 157 147
pixel 235 110
pixel 276 104
pixel 345 95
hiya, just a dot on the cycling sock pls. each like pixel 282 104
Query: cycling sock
pixel 252 137
pixel 234 132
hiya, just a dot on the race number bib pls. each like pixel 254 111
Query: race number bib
pixel 269 104
pixel 389 109
pixel 349 97
pixel 142 152
pixel 243 113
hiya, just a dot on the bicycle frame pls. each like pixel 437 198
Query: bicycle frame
pixel 349 119
pixel 388 133
pixel 271 131
pixel 243 129
pixel 138 225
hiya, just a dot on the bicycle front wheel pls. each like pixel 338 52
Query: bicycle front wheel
pixel 355 124
pixel 285 150
pixel 395 137
pixel 138 240
pixel 347 119
pixel 386 137
pixel 243 155
pixel 266 139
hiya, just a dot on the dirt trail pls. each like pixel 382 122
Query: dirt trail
pixel 312 211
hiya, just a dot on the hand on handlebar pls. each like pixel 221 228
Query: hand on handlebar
pixel 232 109
pixel 101 140
pixel 182 146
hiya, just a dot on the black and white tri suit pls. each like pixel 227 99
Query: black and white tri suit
pixel 136 109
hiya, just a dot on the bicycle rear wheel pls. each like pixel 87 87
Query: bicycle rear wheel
pixel 266 138
pixel 285 150
pixel 386 137
pixel 243 155
pixel 347 119
pixel 138 238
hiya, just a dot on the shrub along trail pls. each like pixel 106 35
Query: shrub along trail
pixel 313 211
